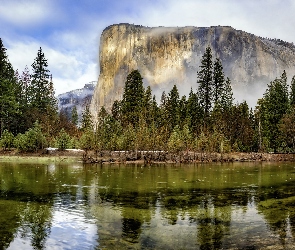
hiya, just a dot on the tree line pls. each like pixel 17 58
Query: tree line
pixel 206 120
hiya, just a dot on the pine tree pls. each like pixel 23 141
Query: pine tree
pixel 86 123
pixel 292 92
pixel 205 82
pixel 218 81
pixel 172 107
pixel 117 110
pixel 276 105
pixel 148 105
pixel 41 90
pixel 9 106
pixel 226 98
pixel 194 112
pixel 74 116
pixel 132 98
pixel 24 122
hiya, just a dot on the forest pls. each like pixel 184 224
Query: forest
pixel 208 120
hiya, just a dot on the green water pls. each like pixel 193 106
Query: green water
pixel 229 206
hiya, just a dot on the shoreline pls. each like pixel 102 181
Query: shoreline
pixel 140 157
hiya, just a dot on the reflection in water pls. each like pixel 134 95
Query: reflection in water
pixel 237 206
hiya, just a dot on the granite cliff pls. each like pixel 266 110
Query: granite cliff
pixel 167 56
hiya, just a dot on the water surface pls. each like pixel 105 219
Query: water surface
pixel 220 206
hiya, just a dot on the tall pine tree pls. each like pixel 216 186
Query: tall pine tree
pixel 41 99
pixel 276 104
pixel 132 102
pixel 292 92
pixel 205 81
pixel 41 88
pixel 9 88
pixel 218 81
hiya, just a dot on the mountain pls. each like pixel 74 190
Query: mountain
pixel 167 56
pixel 79 98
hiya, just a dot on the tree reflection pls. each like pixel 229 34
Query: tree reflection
pixel 10 216
pixel 131 229
pixel 36 224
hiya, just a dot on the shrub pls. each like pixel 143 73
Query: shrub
pixel 63 140
pixel 6 140
pixel 32 140
pixel 86 140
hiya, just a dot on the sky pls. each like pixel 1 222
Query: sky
pixel 68 31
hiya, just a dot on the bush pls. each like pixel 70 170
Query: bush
pixel 32 140
pixel 86 140
pixel 6 140
pixel 63 140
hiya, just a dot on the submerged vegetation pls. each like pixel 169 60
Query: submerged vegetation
pixel 207 120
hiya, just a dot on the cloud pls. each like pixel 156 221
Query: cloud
pixel 69 69
pixel 69 31
pixel 270 18
pixel 25 13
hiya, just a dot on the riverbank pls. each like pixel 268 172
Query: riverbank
pixel 42 156
pixel 144 157
pixel 182 157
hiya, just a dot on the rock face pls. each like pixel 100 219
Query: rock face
pixel 79 98
pixel 168 56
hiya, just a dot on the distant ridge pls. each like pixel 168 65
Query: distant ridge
pixel 78 97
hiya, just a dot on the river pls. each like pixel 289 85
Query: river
pixel 210 206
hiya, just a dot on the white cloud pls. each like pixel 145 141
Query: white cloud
pixel 88 74
pixel 71 47
pixel 25 13
pixel 271 18
pixel 69 69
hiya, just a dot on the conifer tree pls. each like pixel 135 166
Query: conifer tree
pixel 226 98
pixel 194 112
pixel 205 82
pixel 117 110
pixel 148 105
pixel 9 106
pixel 218 81
pixel 74 116
pixel 86 122
pixel 292 92
pixel 172 108
pixel 132 98
pixel 41 88
pixel 276 103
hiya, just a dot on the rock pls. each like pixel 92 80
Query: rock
pixel 168 56
pixel 79 98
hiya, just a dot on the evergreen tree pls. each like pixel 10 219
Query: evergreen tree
pixel 205 82
pixel 132 98
pixel 117 110
pixel 292 92
pixel 9 106
pixel 287 130
pixel 218 81
pixel 226 98
pixel 148 105
pixel 24 121
pixel 241 129
pixel 182 110
pixel 86 123
pixel 172 108
pixel 41 92
pixel 194 112
pixel 74 116
pixel 276 103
